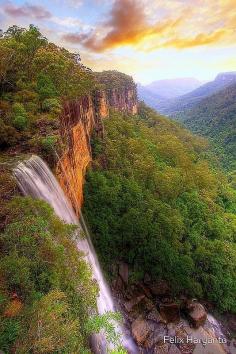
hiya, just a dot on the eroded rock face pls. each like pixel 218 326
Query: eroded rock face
pixel 79 119
pixel 123 100
pixel 77 124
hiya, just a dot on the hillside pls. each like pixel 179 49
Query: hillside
pixel 215 117
pixel 152 201
pixel 158 92
pixel 173 107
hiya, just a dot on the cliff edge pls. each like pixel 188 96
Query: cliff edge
pixel 80 119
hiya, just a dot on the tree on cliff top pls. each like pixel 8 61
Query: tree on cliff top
pixel 112 79
pixel 26 53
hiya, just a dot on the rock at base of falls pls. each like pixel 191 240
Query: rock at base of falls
pixel 155 321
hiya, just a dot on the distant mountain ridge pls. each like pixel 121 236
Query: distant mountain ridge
pixel 208 110
pixel 157 92
pixel 172 88
pixel 175 106
pixel 147 96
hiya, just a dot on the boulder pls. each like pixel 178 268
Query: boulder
pixel 174 350
pixel 140 330
pixel 155 316
pixel 124 272
pixel 147 305
pixel 196 313
pixel 161 348
pixel 170 312
pixel 159 288
pixel 131 304
pixel 184 346
pixel 157 335
pixel 145 289
pixel 188 348
pixel 171 327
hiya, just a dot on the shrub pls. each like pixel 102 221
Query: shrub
pixel 8 135
pixel 9 329
pixel 20 121
pixel 51 105
pixel 48 144
pixel 45 87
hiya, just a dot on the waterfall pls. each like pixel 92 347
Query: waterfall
pixel 36 180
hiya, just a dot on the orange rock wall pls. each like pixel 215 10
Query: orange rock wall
pixel 79 119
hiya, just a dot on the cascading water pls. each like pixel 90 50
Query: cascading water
pixel 35 179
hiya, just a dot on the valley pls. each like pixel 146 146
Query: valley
pixel 127 199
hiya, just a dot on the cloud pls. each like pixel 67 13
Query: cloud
pixel 181 25
pixel 26 10
pixel 67 22
pixel 127 24
pixel 199 40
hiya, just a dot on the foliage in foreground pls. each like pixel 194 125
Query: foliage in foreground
pixel 153 201
pixel 47 295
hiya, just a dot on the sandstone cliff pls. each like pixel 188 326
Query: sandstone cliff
pixel 79 119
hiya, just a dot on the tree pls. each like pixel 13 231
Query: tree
pixel 45 87
pixel 19 120
pixel 51 327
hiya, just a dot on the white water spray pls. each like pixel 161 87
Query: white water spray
pixel 35 179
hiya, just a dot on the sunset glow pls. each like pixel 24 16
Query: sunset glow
pixel 150 40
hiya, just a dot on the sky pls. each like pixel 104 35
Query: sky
pixel 148 39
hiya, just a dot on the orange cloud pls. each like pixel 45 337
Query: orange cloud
pixel 198 40
pixel 128 24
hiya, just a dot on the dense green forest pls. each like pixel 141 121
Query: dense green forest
pixel 215 118
pixel 153 200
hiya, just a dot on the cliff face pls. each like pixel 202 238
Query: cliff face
pixel 123 100
pixel 79 120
